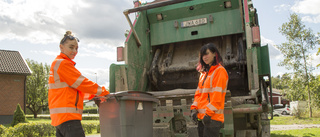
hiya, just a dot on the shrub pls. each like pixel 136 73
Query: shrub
pixel 39 130
pixel 90 117
pixel 98 128
pixel 38 117
pixel 31 130
pixel 48 117
pixel 2 130
pixel 89 127
pixel 19 116
pixel 91 110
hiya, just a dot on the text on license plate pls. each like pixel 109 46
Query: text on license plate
pixel 195 22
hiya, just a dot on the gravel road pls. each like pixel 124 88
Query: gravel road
pixel 290 127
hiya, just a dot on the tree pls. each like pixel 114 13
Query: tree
pixel 296 51
pixel 19 116
pixel 315 82
pixel 279 82
pixel 318 48
pixel 37 87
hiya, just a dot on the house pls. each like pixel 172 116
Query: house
pixel 277 97
pixel 13 74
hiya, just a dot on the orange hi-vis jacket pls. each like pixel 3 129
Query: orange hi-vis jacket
pixel 209 98
pixel 67 90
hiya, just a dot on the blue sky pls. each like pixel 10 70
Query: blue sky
pixel 35 27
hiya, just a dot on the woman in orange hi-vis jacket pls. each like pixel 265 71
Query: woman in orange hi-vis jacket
pixel 67 90
pixel 208 105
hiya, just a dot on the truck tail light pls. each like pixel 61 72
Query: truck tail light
pixel 255 34
pixel 120 54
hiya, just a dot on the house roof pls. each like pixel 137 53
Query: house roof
pixel 276 91
pixel 11 62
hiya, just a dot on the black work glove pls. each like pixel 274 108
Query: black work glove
pixel 193 115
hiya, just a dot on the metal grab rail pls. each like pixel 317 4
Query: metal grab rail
pixel 146 7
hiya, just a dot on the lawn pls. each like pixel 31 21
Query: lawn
pixel 290 120
pixel 307 132
pixel 48 120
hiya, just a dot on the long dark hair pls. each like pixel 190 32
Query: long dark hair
pixel 202 66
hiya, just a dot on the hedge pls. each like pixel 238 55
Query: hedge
pixel 40 130
pixel 3 129
pixel 91 110
pixel 84 117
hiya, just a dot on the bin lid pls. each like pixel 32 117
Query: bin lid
pixel 135 95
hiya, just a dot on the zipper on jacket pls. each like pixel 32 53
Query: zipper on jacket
pixel 204 79
pixel 77 99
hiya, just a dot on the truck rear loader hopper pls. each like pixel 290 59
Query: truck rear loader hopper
pixel 161 54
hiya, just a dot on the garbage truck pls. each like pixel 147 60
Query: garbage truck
pixel 161 52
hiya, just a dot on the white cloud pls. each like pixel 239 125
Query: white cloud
pixel 106 53
pixel 51 53
pixel 45 22
pixel 310 9
pixel 315 59
pixel 307 7
pixel 273 51
pixel 282 7
pixel 45 52
pixel 37 21
pixel 279 74
pixel 94 74
pixel 311 19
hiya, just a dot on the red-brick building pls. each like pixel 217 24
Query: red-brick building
pixel 277 97
pixel 13 74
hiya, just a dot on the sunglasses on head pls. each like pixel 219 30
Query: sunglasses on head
pixel 69 37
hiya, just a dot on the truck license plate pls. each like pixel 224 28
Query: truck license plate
pixel 195 22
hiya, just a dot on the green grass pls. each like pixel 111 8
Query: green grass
pixel 34 120
pixel 307 132
pixel 289 120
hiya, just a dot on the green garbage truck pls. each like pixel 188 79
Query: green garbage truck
pixel 161 53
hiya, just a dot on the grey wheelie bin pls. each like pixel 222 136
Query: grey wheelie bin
pixel 127 114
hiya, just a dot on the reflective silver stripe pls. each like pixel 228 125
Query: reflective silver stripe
pixel 99 91
pixel 210 90
pixel 195 104
pixel 212 76
pixel 220 111
pixel 65 110
pixel 57 85
pixel 217 89
pixel 202 111
pixel 217 111
pixel 55 70
pixel 224 91
pixel 211 107
pixel 78 82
